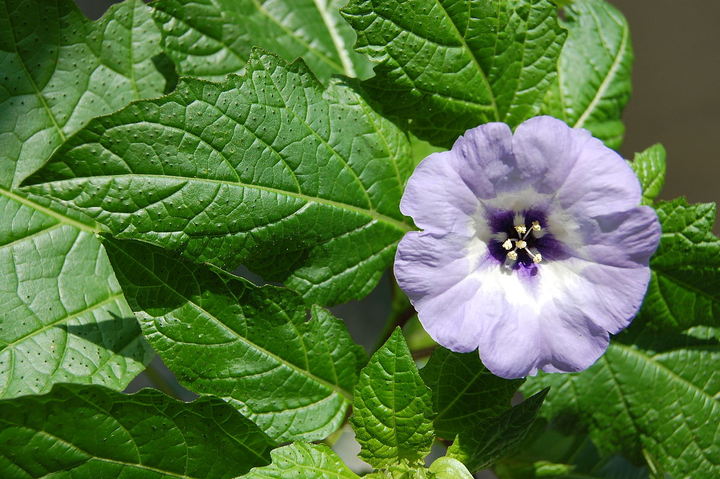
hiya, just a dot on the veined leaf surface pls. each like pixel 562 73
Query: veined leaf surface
pixel 64 318
pixel 90 431
pixel 210 38
pixel 593 83
pixel 450 65
pixel 299 182
pixel 222 335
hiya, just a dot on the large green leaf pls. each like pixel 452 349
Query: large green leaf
pixel 651 393
pixel 306 461
pixel 300 182
pixel 684 289
pixel 593 83
pixel 483 444
pixel 222 335
pixel 79 431
pixel 210 38
pixel 450 65
pixel 464 392
pixel 649 166
pixel 64 317
pixel 392 410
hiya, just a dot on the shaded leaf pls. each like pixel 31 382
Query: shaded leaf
pixel 450 65
pixel 392 409
pixel 91 431
pixel 464 392
pixel 299 182
pixel 649 166
pixel 210 38
pixel 222 335
pixel 593 84
pixel 307 461
pixel 64 317
pixel 684 289
pixel 487 442
pixel 651 390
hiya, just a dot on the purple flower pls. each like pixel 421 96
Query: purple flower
pixel 533 247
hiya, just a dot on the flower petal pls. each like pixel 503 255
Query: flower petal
pixel 588 178
pixel 442 194
pixel 435 274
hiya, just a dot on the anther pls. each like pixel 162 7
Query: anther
pixel 521 229
pixel 536 226
pixel 537 258
pixel 512 255
pixel 507 245
pixel 521 244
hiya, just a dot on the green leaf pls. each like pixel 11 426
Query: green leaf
pixel 593 83
pixel 61 69
pixel 684 289
pixel 306 461
pixel 90 431
pixel 64 317
pixel 392 409
pixel 222 335
pixel 651 390
pixel 649 166
pixel 450 65
pixel 210 38
pixel 464 392
pixel 449 468
pixel 481 446
pixel 300 182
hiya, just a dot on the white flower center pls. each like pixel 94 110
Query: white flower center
pixel 513 245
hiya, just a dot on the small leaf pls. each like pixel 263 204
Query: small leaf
pixel 649 166
pixel 91 431
pixel 449 468
pixel 306 461
pixel 450 65
pixel 464 392
pixel 300 182
pixel 392 410
pixel 651 390
pixel 593 83
pixel 222 335
pixel 210 38
pixel 487 442
pixel 684 289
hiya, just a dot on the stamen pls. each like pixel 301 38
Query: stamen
pixel 521 229
pixel 521 244
pixel 512 255
pixel 537 258
pixel 507 245
pixel 536 226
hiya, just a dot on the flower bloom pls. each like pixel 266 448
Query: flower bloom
pixel 533 247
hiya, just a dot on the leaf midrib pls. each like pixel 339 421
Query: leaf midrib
pixel 608 78
pixel 400 225
pixel 475 61
pixel 241 338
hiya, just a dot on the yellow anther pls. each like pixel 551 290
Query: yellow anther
pixel 512 255
pixel 536 226
pixel 521 229
pixel 521 244
pixel 537 258
pixel 507 245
